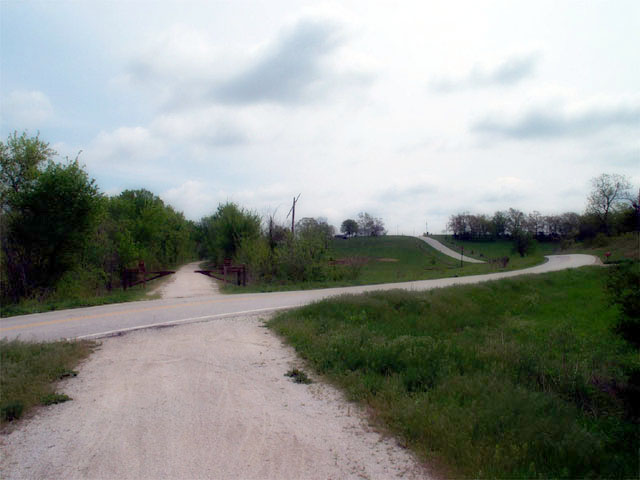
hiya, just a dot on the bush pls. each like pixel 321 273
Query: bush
pixel 623 286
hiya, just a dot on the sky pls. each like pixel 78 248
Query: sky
pixel 410 111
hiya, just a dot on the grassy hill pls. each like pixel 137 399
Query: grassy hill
pixel 517 378
pixel 392 258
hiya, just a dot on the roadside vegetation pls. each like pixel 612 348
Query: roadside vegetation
pixel 518 378
pixel 64 243
pixel 60 302
pixel 30 371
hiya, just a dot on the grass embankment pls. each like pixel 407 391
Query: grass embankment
pixel 25 307
pixel 488 250
pixel 29 371
pixel 519 378
pixel 393 258
pixel 620 247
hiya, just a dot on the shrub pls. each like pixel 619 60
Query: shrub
pixel 623 286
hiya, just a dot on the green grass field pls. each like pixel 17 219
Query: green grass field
pixel 392 258
pixel 520 378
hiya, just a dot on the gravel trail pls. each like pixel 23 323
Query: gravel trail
pixel 447 251
pixel 185 283
pixel 206 400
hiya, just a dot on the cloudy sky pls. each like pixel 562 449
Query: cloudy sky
pixel 411 111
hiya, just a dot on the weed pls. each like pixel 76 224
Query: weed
pixel 298 376
pixel 53 398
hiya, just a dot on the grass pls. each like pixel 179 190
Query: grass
pixel 298 376
pixel 519 378
pixel 28 306
pixel 393 258
pixel 29 372
pixel 626 246
pixel 484 250
pixel 622 247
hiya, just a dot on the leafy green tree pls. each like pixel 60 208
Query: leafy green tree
pixel 21 159
pixel 223 232
pixel 349 227
pixel 50 221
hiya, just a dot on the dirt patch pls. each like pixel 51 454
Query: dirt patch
pixel 208 400
pixel 387 259
pixel 356 261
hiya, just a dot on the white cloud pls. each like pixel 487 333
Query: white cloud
pixel 210 126
pixel 125 144
pixel 304 62
pixel 580 119
pixel 24 109
pixel 511 71
pixel 194 197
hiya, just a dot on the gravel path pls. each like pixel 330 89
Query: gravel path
pixel 185 283
pixel 447 251
pixel 206 400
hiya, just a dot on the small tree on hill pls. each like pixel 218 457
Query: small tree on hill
pixel 349 227
pixel 370 226
pixel 608 193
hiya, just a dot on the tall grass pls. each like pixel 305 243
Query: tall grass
pixel 521 378
pixel 59 302
pixel 29 371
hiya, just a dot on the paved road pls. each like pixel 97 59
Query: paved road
pixel 109 319
pixel 447 251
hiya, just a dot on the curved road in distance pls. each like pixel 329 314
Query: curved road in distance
pixel 447 251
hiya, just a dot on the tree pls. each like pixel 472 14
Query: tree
pixel 21 159
pixel 370 226
pixel 225 230
pixel 349 227
pixel 515 221
pixel 608 192
pixel 499 224
pixel 50 220
pixel 315 227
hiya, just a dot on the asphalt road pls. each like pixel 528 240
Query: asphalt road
pixel 106 320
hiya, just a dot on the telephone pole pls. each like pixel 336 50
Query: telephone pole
pixel 292 212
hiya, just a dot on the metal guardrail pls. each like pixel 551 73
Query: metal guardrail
pixel 226 271
pixel 131 276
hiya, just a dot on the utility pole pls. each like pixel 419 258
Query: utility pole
pixel 292 212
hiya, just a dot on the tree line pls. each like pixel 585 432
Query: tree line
pixel 270 250
pixel 61 237
pixel 611 209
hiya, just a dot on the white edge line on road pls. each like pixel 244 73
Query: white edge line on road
pixel 171 323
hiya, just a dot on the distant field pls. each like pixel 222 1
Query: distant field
pixel 517 378
pixel 620 247
pixel 498 249
pixel 394 258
